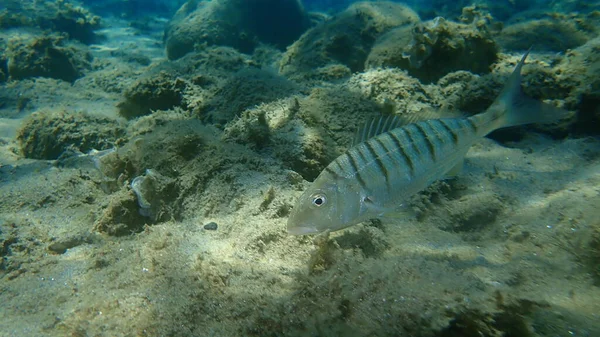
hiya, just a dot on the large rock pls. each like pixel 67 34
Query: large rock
pixel 579 73
pixel 47 135
pixel 549 31
pixel 241 24
pixel 435 48
pixel 56 16
pixel 46 56
pixel 345 39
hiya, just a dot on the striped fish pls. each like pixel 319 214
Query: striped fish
pixel 390 164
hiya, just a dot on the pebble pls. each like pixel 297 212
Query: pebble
pixel 211 226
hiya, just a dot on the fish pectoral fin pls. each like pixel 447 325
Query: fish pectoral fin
pixel 455 170
pixel 370 203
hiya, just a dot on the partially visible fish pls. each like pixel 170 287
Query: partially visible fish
pixel 378 174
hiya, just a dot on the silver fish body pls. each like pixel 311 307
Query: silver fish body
pixel 380 173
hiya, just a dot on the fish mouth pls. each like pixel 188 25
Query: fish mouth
pixel 302 230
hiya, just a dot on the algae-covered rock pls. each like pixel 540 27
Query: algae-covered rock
pixel 46 56
pixel 157 91
pixel 46 135
pixel 436 48
pixel 121 216
pixel 155 194
pixel 243 90
pixel 241 24
pixel 275 126
pixel 304 133
pixel 389 49
pixel 3 61
pixel 77 22
pixel 579 75
pixel 202 82
pixel 549 32
pixel 500 9
pixel 345 39
pixel 133 8
pixel 191 170
pixel 58 16
pixel 394 91
pixel 473 212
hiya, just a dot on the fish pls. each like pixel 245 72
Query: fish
pixel 391 161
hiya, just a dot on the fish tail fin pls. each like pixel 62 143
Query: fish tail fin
pixel 513 107
pixel 521 109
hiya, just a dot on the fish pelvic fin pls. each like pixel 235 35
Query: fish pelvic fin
pixel 513 107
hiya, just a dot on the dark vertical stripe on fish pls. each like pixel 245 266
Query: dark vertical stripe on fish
pixel 393 160
pixel 449 130
pixel 354 164
pixel 341 169
pixel 402 151
pixel 436 135
pixel 362 156
pixel 471 124
pixel 438 132
pixel 378 161
pixel 428 142
pixel 411 139
pixel 332 172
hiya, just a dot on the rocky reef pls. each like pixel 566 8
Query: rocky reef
pixel 346 39
pixel 60 16
pixel 46 56
pixel 240 24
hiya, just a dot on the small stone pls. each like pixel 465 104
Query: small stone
pixel 60 246
pixel 211 226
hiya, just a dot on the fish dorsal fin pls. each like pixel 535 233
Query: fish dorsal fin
pixel 376 126
pixel 384 123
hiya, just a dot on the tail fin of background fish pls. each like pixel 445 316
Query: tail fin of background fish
pixel 513 107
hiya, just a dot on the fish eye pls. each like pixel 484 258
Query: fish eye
pixel 319 200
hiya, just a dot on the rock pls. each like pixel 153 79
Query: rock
pixel 327 123
pixel 200 82
pixel 60 246
pixel 245 89
pixel 46 135
pixel 3 61
pixel 76 21
pixel 155 91
pixel 57 16
pixel 154 193
pixel 389 49
pixel 394 90
pixel 46 56
pixel 133 8
pixel 436 48
pixel 500 9
pixel 211 226
pixel 241 24
pixel 578 74
pixel 549 32
pixel 120 216
pixel 345 39
pixel 467 213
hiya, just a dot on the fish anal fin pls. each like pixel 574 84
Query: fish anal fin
pixel 455 170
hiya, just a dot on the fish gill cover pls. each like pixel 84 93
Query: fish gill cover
pixel 152 152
